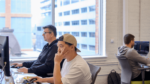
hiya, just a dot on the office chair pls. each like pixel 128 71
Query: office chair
pixel 94 71
pixel 126 72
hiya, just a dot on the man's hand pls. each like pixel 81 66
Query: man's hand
pixel 23 69
pixel 39 79
pixel 59 56
pixel 17 64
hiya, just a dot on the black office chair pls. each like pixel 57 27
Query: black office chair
pixel 94 71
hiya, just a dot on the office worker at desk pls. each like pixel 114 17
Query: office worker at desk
pixel 134 58
pixel 75 69
pixel 45 62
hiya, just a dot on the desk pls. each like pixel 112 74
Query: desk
pixel 17 77
pixel 143 69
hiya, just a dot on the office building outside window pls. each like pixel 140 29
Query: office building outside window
pixel 75 11
pixel 92 8
pixel 91 34
pixel 60 33
pixel 2 6
pixel 83 46
pixel 44 1
pixel 60 3
pixel 59 23
pixel 75 22
pixel 74 1
pixel 83 22
pixel 67 23
pixel 60 14
pixel 66 13
pixel 78 46
pixel 92 47
pixel 75 33
pixel 83 34
pixel 66 32
pixel 66 2
pixel 29 15
pixel 39 29
pixel 91 21
pixel 84 10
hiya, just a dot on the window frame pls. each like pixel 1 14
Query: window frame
pixel 102 33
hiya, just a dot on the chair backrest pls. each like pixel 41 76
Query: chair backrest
pixel 94 71
pixel 126 72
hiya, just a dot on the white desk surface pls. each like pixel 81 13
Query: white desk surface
pixel 19 77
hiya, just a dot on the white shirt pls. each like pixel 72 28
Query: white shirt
pixel 76 71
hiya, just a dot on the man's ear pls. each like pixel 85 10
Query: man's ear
pixel 52 34
pixel 72 47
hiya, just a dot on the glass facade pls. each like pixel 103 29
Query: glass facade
pixel 2 22
pixel 22 31
pixel 21 6
pixel 2 6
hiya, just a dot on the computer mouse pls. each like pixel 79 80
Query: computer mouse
pixel 30 82
pixel 34 79
pixel 13 66
pixel 26 82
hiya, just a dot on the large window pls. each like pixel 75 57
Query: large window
pixel 2 22
pixel 80 18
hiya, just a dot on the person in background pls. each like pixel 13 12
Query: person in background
pixel 45 62
pixel 134 58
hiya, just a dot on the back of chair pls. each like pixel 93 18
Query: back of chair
pixel 126 72
pixel 94 71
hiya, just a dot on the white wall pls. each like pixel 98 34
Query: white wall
pixel 138 19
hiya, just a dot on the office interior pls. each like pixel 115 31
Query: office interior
pixel 121 17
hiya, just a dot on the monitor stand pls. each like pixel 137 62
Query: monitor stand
pixel 9 80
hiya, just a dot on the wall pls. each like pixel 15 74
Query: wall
pixel 138 24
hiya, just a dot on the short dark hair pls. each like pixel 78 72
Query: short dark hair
pixel 51 28
pixel 128 38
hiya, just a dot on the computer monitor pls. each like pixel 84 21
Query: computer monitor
pixel 142 47
pixel 4 55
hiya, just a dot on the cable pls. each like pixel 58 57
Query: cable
pixel 2 72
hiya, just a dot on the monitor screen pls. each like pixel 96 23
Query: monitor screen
pixel 142 47
pixel 4 55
